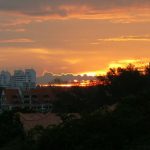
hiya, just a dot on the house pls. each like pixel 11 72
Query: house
pixel 39 99
pixel 10 99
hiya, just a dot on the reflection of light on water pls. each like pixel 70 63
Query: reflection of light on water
pixel 83 83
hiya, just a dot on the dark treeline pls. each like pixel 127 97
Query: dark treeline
pixel 118 83
pixel 114 116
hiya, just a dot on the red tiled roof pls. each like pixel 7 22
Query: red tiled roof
pixel 12 96
pixel 30 120
pixel 40 95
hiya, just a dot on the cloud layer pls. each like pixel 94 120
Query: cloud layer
pixel 145 38
pixel 65 8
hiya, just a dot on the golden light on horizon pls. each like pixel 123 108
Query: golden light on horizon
pixel 114 64
pixel 124 63
pixel 94 73
pixel 121 63
pixel 75 83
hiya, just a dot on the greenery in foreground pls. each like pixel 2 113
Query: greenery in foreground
pixel 115 116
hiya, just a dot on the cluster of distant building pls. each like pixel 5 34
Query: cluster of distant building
pixel 19 79
pixel 62 78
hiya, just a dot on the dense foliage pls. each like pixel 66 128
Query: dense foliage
pixel 10 128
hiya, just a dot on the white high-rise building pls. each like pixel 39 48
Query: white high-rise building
pixel 5 79
pixel 30 78
pixel 20 79
pixel 30 75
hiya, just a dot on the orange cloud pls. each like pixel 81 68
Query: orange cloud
pixel 129 11
pixel 22 40
pixel 126 38
pixel 73 61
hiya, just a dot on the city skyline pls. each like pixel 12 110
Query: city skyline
pixel 19 79
pixel 74 37
pixel 22 78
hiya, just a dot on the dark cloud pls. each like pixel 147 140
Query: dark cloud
pixel 58 7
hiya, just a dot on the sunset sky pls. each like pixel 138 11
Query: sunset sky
pixel 73 36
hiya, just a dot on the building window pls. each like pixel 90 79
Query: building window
pixel 26 96
pixel 14 96
pixel 26 101
pixel 34 96
pixel 46 96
